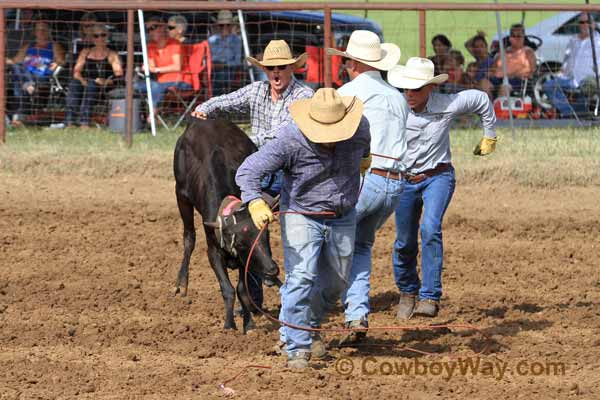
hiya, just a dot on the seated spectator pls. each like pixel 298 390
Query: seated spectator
pixel 165 59
pixel 226 53
pixel 470 75
pixel 478 47
pixel 576 71
pixel 177 25
pixel 441 47
pixel 520 61
pixel 33 66
pixel 454 66
pixel 85 37
pixel 96 67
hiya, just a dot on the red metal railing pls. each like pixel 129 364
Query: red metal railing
pixel 327 8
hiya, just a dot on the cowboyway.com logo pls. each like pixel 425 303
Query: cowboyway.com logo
pixel 469 366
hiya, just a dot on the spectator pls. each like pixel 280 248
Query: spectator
pixel 520 61
pixel 577 70
pixel 478 47
pixel 96 67
pixel 454 69
pixel 226 53
pixel 85 38
pixel 177 25
pixel 470 75
pixel 165 59
pixel 441 47
pixel 33 66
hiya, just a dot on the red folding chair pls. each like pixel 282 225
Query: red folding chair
pixel 197 68
pixel 315 67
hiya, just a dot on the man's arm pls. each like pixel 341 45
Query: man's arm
pixel 235 101
pixel 270 158
pixel 477 102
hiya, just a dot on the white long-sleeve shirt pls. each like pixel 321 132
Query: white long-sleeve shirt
pixel 428 132
pixel 386 110
pixel 579 63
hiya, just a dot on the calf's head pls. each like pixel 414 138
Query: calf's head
pixel 237 234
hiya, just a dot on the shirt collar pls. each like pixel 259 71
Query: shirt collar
pixel 370 75
pixel 286 92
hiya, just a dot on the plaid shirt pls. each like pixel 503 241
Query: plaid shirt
pixel 315 179
pixel 266 115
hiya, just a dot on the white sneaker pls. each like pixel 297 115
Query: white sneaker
pixel 59 125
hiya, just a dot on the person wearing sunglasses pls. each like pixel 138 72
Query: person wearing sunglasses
pixel 521 62
pixel 429 179
pixel 576 73
pixel 386 111
pixel 166 58
pixel 267 102
pixel 97 67
pixel 177 26
pixel 226 53
pixel 85 37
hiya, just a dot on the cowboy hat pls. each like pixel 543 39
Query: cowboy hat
pixel 278 52
pixel 327 117
pixel 225 17
pixel 365 47
pixel 417 73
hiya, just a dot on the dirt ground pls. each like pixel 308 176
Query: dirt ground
pixel 87 310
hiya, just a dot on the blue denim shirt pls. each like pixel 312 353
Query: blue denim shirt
pixel 227 50
pixel 315 179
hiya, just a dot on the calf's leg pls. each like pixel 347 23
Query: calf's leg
pixel 245 301
pixel 186 210
pixel 218 265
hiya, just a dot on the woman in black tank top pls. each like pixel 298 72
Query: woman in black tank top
pixel 97 67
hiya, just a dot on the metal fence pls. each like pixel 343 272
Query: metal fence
pixel 61 97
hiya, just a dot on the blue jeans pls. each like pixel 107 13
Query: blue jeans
pixel 79 100
pixel 432 195
pixel 158 89
pixel 20 76
pixel 222 76
pixel 378 200
pixel 272 183
pixel 555 90
pixel 318 257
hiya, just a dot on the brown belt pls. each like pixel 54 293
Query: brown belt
pixel 386 174
pixel 427 174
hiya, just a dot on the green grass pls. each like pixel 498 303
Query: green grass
pixel 401 27
pixel 541 158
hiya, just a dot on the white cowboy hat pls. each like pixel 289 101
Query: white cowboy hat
pixel 417 73
pixel 225 17
pixel 327 117
pixel 365 47
pixel 278 52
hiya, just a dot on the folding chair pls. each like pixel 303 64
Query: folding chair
pixel 198 65
pixel 315 68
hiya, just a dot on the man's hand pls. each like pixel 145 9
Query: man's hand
pixel 485 146
pixel 199 114
pixel 365 164
pixel 260 212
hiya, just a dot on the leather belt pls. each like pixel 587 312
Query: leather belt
pixel 387 174
pixel 420 177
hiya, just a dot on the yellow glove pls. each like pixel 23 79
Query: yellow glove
pixel 485 146
pixel 260 212
pixel 365 164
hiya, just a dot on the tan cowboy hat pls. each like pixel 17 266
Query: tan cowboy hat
pixel 365 47
pixel 417 73
pixel 225 17
pixel 278 52
pixel 327 117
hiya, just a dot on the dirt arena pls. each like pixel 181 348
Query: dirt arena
pixel 87 311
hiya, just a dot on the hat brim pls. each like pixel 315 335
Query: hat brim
pixel 391 56
pixel 298 61
pixel 400 77
pixel 318 132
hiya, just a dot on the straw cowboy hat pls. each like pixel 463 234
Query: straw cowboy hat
pixel 225 17
pixel 278 52
pixel 327 117
pixel 417 73
pixel 365 47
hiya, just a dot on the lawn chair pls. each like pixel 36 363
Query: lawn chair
pixel 198 68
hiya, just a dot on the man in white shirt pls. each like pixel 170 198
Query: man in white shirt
pixel 386 110
pixel 577 68
pixel 429 179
